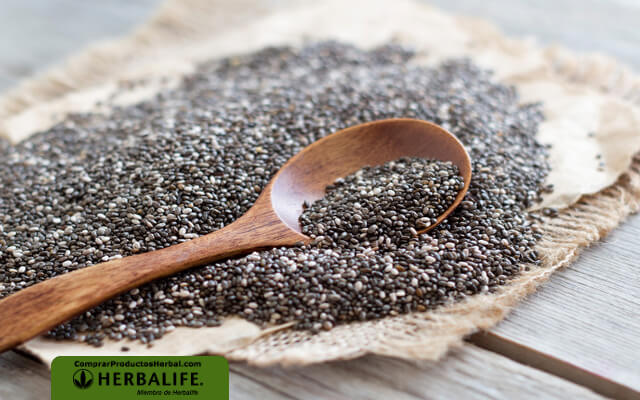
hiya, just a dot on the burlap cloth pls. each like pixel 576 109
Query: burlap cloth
pixel 591 104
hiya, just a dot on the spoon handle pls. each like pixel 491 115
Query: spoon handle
pixel 41 307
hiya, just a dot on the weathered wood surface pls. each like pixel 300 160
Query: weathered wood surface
pixel 587 317
pixel 581 325
pixel 37 33
pixel 467 373
pixel 23 378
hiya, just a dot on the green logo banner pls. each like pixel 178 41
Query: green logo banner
pixel 137 377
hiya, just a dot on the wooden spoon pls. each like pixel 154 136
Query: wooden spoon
pixel 272 221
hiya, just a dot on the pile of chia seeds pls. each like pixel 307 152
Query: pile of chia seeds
pixel 193 159
pixel 383 206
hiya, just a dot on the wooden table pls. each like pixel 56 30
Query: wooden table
pixel 578 337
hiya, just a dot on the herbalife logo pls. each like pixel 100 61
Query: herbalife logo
pixel 82 378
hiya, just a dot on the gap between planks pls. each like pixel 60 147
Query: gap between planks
pixel 584 323
pixel 552 365
pixel 468 372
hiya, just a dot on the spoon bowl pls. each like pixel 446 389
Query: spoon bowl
pixel 271 221
pixel 306 175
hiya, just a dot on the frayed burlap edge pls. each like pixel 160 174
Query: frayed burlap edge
pixel 419 335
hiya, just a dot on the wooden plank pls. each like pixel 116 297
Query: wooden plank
pixel 38 33
pixel 608 27
pixel 242 386
pixel 584 324
pixel 23 378
pixel 467 373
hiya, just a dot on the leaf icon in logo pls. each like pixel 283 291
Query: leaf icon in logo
pixel 83 378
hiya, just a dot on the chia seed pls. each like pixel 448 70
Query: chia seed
pixel 195 158
pixel 392 202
